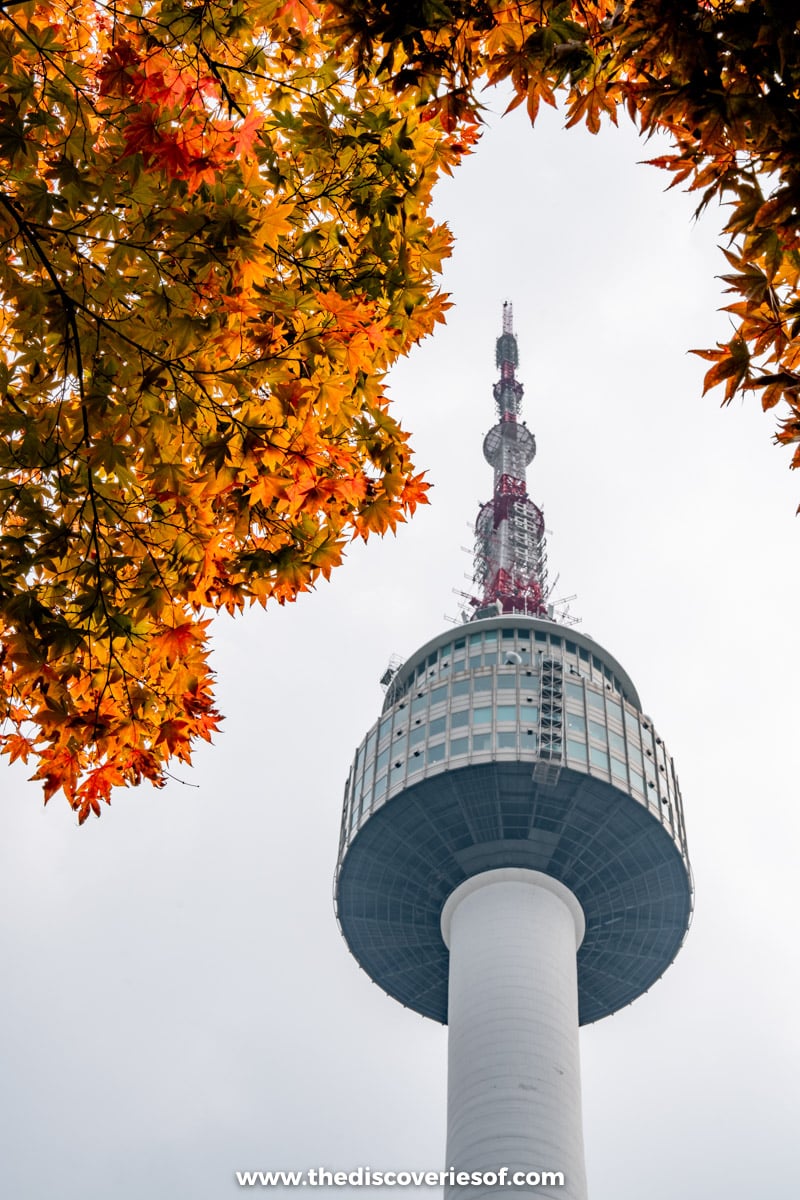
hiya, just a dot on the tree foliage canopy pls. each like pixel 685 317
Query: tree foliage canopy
pixel 215 241
pixel 216 234
pixel 721 77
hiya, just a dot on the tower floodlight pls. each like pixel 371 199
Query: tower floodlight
pixel 513 857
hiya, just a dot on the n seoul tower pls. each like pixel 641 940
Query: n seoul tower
pixel 513 857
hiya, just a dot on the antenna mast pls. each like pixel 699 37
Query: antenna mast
pixel 510 566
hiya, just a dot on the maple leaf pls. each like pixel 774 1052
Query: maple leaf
pixel 731 365
pixel 175 641
pixel 16 745
pixel 117 70
pixel 96 787
pixel 174 733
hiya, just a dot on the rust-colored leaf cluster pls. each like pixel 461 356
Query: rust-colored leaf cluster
pixel 720 77
pixel 216 240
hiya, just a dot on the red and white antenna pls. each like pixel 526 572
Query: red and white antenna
pixel 510 567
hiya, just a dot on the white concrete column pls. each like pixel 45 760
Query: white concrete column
pixel 513 1074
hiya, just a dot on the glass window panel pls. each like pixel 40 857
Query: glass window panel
pixel 575 723
pixel 490 637
pixel 576 750
pixel 371 744
pixel 616 742
pixel 439 694
pixel 529 739
pixel 575 691
pixel 530 712
pixel 380 786
pixel 598 758
pixel 584 654
pixel 474 639
pixel 416 762
pixel 506 680
pixel 481 741
pixel 383 759
pixel 637 779
pixel 461 688
pixel 597 731
pixel 507 740
pixel 506 712
pixel 618 770
pixel 459 719
pixel 418 705
pixel 459 745
pixel 475 662
pixel 482 716
pixel 436 727
pixel 417 736
pixel 436 753
pixel 384 727
pixel 614 708
pixel 631 724
pixel 483 683
pixel 595 699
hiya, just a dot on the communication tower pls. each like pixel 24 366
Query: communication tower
pixel 513 857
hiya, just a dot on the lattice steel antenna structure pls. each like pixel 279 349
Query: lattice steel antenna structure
pixel 513 857
pixel 510 561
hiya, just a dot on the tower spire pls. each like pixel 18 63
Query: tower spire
pixel 510 560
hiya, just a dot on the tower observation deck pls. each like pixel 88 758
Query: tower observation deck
pixel 513 857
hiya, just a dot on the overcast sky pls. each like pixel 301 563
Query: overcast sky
pixel 177 1002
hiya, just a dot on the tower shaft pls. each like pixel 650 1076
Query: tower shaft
pixel 514 1101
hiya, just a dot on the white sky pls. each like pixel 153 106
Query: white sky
pixel 177 1001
